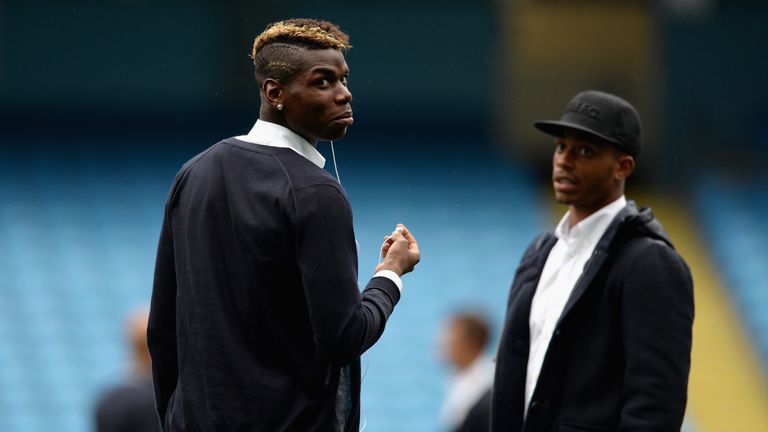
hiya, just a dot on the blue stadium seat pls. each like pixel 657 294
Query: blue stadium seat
pixel 79 244
pixel 732 214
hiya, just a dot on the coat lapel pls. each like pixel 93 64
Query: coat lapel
pixel 509 399
pixel 521 305
pixel 597 259
pixel 590 270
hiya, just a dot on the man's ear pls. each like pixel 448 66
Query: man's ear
pixel 625 166
pixel 273 90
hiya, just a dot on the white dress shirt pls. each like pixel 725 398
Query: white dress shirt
pixel 274 135
pixel 466 388
pixel 563 268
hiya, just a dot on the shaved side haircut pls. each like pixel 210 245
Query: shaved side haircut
pixel 277 50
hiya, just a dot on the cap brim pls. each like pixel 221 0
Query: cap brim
pixel 557 128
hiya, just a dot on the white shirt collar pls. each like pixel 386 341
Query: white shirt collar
pixel 274 135
pixel 476 371
pixel 592 227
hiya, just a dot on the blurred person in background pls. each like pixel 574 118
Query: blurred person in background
pixel 130 407
pixel 257 322
pixel 598 326
pixel 467 404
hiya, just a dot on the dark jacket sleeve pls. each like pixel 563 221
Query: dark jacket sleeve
pixel 161 331
pixel 657 306
pixel 344 322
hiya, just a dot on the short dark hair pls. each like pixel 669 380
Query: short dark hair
pixel 277 50
pixel 476 327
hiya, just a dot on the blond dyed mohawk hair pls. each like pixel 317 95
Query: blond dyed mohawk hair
pixel 276 51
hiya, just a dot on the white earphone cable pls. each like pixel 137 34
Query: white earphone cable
pixel 362 410
pixel 367 358
pixel 335 166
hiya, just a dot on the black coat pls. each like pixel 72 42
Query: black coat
pixel 479 416
pixel 129 407
pixel 257 322
pixel 620 354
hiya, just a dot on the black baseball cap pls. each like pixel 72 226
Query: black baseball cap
pixel 601 114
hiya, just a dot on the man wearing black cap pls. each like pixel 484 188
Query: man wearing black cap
pixel 597 334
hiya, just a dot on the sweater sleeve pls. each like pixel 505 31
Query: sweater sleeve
pixel 344 322
pixel 657 305
pixel 161 329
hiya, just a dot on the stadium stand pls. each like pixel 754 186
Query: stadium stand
pixel 79 226
pixel 732 219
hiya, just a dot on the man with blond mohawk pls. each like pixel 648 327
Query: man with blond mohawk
pixel 257 322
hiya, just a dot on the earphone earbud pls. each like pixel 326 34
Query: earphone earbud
pixel 381 253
